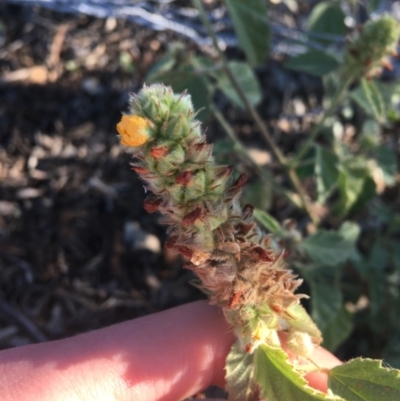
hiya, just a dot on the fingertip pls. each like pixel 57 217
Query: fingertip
pixel 326 360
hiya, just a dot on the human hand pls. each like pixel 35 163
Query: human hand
pixel 166 356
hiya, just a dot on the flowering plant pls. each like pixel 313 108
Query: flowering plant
pixel 240 268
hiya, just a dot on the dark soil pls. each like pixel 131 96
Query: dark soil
pixel 77 250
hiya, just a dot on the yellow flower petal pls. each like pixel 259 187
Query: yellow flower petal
pixel 133 130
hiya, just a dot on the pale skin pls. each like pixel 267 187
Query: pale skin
pixel 167 356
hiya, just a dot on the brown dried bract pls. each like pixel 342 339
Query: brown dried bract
pixel 139 169
pixel 240 182
pixel 262 254
pixel 184 251
pixel 152 204
pixel 159 151
pixel 191 217
pixel 184 177
pixel 199 257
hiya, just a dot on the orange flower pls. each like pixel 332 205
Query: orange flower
pixel 133 130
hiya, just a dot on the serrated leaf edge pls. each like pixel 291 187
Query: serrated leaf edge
pixel 229 371
pixel 375 361
pixel 305 387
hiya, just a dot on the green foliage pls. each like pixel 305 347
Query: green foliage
pixel 278 379
pixel 268 221
pixel 330 248
pixel 258 195
pixel 327 17
pixel 373 4
pixel 365 380
pixel 328 312
pixel 313 62
pixel 368 51
pixel 387 161
pixel 239 376
pixel 126 62
pixel 251 24
pixel 356 186
pixel 346 243
pixel 338 329
pixel 246 79
pixel 369 97
pixel 390 93
pixel 326 172
pixel 178 69
pixel 301 320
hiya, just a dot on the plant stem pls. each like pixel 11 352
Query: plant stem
pixel 236 141
pixel 257 118
pixel 254 114
pixel 317 129
pixel 238 145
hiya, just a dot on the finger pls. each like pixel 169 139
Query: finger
pixel 166 356
pixel 322 358
pixel 325 360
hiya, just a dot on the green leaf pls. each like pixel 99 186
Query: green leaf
pixel 258 194
pixel 365 380
pixel 164 65
pixel 247 81
pixel 176 55
pixel 391 353
pixel 126 62
pixel 250 19
pixel 306 169
pixel 378 260
pixel 379 257
pixel 387 161
pixel 239 376
pixel 338 329
pixel 369 97
pixel 328 312
pixel 373 4
pixel 299 319
pixel 369 138
pixel 269 222
pixel 313 62
pixel 326 172
pixel 326 301
pixel 278 379
pixel 350 232
pixel 196 85
pixel 327 18
pixel 330 248
pixel 331 84
pixel 391 97
pixel 377 292
pixel 355 185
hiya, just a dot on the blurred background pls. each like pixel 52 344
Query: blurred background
pixel 78 251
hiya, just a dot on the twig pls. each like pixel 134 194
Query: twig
pixel 238 145
pixel 316 130
pixel 26 324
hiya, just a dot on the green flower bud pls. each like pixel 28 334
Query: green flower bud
pixel 368 52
